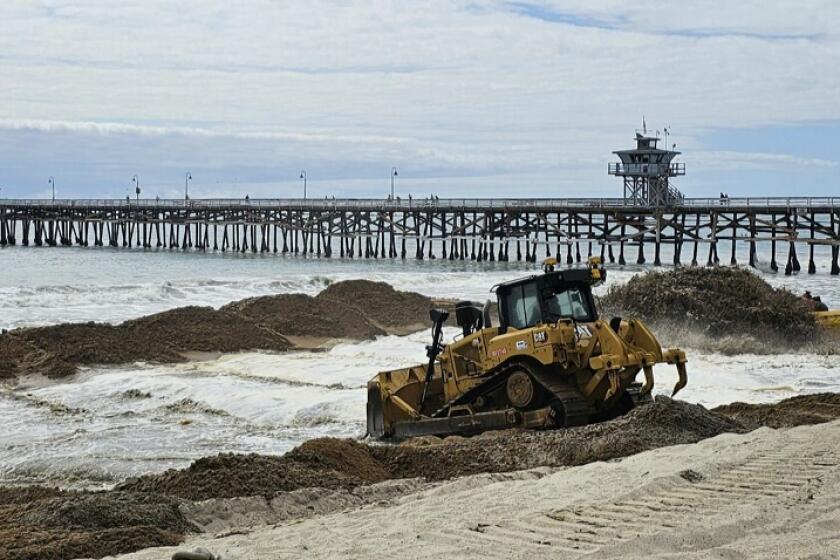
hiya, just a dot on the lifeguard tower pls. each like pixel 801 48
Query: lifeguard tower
pixel 646 171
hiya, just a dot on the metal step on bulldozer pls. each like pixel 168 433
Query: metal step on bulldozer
pixel 550 363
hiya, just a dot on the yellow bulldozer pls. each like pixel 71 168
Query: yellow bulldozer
pixel 550 363
pixel 828 319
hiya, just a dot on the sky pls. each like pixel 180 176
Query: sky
pixel 463 98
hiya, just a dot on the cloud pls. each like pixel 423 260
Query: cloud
pixel 785 20
pixel 728 160
pixel 445 87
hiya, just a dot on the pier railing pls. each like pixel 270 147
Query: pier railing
pixel 405 204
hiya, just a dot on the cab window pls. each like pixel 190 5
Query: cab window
pixel 524 306
pixel 569 303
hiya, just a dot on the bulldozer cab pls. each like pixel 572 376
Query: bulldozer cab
pixel 546 298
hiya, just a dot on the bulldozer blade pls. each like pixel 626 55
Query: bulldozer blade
pixel 683 378
pixel 648 386
pixel 468 424
pixel 375 417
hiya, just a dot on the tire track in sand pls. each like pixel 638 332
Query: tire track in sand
pixel 673 503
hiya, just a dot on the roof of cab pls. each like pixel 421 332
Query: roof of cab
pixel 569 275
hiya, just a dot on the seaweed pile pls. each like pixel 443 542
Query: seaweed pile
pixel 52 524
pixel 718 303
pixel 263 323
pixel 795 411
pixel 321 463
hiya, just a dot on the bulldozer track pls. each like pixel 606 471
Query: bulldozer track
pixel 467 397
pixel 570 401
pixel 679 502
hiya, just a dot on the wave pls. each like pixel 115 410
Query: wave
pixel 21 296
pixel 22 306
pixel 189 406
pixel 47 305
pixel 55 407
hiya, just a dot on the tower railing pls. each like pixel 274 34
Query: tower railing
pixel 646 169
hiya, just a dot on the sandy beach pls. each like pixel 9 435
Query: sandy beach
pixel 769 493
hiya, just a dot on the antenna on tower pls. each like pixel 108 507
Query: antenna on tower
pixel 644 126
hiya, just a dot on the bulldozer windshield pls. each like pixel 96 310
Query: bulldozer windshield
pixel 569 303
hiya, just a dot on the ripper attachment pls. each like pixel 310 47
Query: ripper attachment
pixel 438 317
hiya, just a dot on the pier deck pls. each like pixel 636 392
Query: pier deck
pixel 454 228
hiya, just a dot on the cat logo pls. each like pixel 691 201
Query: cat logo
pixel 582 331
pixel 540 337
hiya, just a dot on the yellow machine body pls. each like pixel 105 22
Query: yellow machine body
pixel 552 371
pixel 828 319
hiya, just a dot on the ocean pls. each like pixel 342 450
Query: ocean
pixel 106 424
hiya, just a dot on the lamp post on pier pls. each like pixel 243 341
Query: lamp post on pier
pixel 393 175
pixel 136 181
pixel 187 178
pixel 51 182
pixel 303 176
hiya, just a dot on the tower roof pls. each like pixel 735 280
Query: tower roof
pixel 647 145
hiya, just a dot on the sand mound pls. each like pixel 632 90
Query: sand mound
pixel 202 329
pixel 57 350
pixel 26 494
pixel 334 463
pixel 660 424
pixel 795 411
pixel 357 309
pixel 162 337
pixel 380 303
pixel 46 523
pixel 302 315
pixel 261 323
pixel 714 301
pixel 19 356
pixel 325 463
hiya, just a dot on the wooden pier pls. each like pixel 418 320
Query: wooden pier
pixel 696 231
